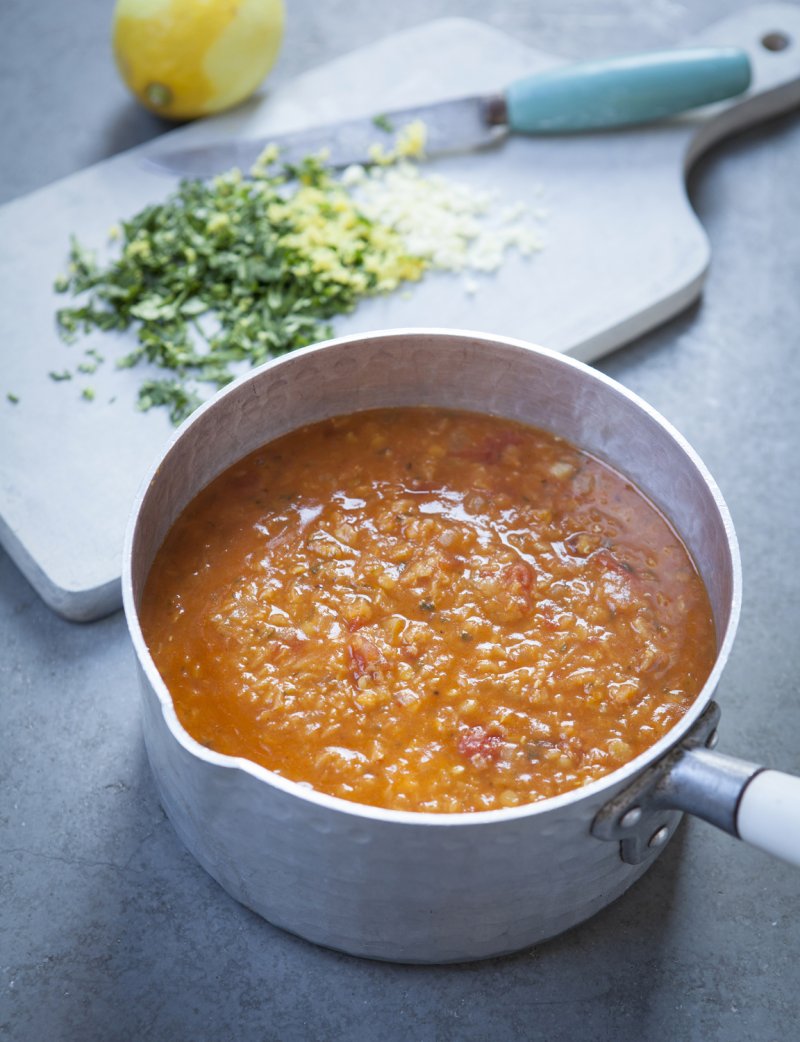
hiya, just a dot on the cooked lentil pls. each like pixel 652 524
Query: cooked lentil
pixel 427 610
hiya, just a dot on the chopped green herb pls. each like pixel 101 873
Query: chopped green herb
pixel 65 374
pixel 232 271
pixel 426 605
pixel 172 393
pixel 87 367
pixel 13 398
pixel 383 122
pixel 88 394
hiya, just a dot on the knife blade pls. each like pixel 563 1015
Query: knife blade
pixel 615 92
pixel 450 126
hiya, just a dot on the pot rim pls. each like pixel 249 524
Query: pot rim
pixel 336 804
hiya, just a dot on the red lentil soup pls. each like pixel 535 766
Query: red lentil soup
pixel 427 610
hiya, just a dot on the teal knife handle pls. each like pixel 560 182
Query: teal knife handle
pixel 622 91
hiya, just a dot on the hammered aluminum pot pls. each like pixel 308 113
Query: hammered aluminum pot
pixel 421 887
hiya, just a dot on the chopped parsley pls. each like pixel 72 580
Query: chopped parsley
pixel 172 393
pixel 383 122
pixel 231 271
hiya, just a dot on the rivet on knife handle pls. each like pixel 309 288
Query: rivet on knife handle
pixel 627 90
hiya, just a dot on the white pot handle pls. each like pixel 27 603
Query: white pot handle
pixel 769 814
pixel 753 803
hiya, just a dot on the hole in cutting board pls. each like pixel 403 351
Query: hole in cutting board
pixel 776 41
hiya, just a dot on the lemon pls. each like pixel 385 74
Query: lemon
pixel 187 58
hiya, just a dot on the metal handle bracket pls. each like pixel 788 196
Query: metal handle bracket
pixel 643 817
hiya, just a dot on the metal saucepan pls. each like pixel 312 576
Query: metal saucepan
pixel 420 887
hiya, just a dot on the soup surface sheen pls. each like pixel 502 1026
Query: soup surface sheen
pixel 427 610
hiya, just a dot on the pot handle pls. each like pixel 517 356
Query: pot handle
pixel 756 804
pixel 769 814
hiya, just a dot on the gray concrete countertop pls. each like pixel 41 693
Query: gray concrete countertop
pixel 108 928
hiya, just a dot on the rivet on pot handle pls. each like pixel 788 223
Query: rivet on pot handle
pixel 758 805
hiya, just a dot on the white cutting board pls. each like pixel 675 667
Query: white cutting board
pixel 624 252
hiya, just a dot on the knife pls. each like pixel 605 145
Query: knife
pixel 593 95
